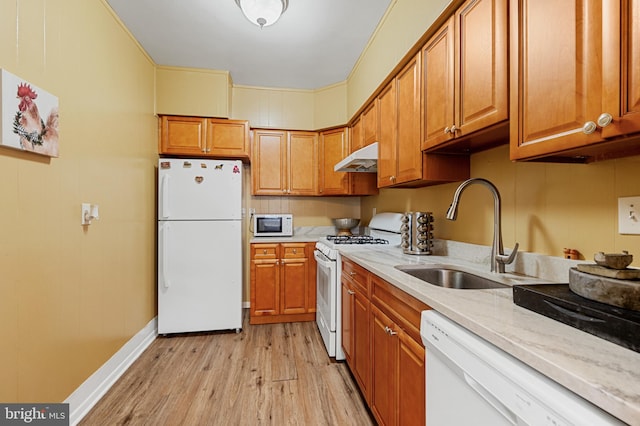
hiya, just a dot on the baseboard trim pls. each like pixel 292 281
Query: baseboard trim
pixel 91 390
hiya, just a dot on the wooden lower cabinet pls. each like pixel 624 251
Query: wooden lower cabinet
pixel 355 324
pixel 384 361
pixel 411 377
pixel 383 348
pixel 283 283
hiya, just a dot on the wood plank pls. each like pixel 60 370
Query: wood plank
pixel 272 374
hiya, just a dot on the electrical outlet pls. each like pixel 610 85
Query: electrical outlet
pixel 629 215
pixel 252 211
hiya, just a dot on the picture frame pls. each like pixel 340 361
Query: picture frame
pixel 29 116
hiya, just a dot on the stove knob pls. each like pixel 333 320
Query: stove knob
pixel 404 228
pixel 405 244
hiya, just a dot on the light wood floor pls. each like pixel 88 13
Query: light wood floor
pixel 277 374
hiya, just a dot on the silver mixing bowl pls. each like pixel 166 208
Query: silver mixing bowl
pixel 345 223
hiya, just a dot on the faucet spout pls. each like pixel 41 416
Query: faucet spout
pixel 498 258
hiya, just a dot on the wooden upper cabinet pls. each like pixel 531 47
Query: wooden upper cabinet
pixel 408 87
pixel 628 120
pixel 285 163
pixel 387 151
pixel 465 77
pixel 572 63
pixel 356 140
pixel 302 159
pixel 182 135
pixel 438 64
pixel 228 138
pixel 369 120
pixel 333 147
pixel 204 137
pixel 364 130
pixel 269 168
pixel 401 161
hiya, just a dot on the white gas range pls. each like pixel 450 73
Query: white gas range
pixel 384 228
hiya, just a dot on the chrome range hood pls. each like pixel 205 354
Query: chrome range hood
pixel 363 160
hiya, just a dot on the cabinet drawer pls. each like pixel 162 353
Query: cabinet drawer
pixel 294 251
pixel 264 251
pixel 357 275
pixel 401 307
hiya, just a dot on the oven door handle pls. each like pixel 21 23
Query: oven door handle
pixel 322 259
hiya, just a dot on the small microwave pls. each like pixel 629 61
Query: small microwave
pixel 272 225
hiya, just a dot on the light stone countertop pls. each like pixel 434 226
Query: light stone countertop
pixel 606 374
pixel 306 234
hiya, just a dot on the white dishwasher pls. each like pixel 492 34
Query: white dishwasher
pixel 469 381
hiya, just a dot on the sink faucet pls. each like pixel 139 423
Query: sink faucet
pixel 498 258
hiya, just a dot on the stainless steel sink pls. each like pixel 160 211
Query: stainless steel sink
pixel 445 276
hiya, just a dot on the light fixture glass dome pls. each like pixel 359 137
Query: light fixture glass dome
pixel 263 12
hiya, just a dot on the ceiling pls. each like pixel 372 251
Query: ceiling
pixel 314 44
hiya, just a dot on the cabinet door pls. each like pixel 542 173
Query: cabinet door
pixel 409 153
pixel 481 93
pixel 348 299
pixel 411 377
pixel 626 108
pixel 370 124
pixel 362 342
pixel 294 279
pixel 302 161
pixel 384 363
pixel 356 138
pixel 293 295
pixel 228 138
pixel 182 135
pixel 556 75
pixel 269 168
pixel 265 287
pixel 333 148
pixel 631 67
pixel 387 160
pixel 438 93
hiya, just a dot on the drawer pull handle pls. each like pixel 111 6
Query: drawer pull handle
pixel 351 292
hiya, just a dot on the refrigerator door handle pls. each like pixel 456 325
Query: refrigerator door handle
pixel 165 255
pixel 164 188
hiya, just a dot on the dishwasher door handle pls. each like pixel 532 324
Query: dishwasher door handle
pixel 488 396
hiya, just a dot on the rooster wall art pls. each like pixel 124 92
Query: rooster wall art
pixel 29 117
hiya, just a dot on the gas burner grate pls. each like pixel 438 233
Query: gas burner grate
pixel 356 239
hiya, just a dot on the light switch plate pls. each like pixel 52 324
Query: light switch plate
pixel 629 215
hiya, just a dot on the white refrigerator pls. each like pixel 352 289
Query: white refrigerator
pixel 199 245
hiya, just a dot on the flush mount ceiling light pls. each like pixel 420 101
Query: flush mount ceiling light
pixel 263 12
